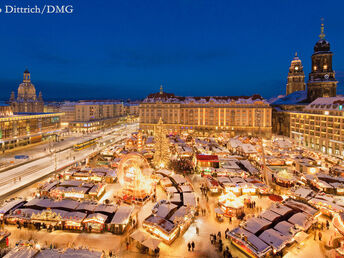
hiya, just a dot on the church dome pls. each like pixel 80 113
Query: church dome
pixel 26 91
pixel 322 46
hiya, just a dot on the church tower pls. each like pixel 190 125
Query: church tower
pixel 322 81
pixel 296 76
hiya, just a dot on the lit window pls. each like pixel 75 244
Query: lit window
pixel 315 68
pixel 325 67
pixel 296 68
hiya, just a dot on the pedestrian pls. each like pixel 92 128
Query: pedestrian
pixel 219 234
pixel 327 225
pixel 315 234
pixel 110 253
pixel 320 236
pixel 322 225
pixel 193 245
pixel 226 231
pixel 189 246
pixel 197 231
pixel 127 245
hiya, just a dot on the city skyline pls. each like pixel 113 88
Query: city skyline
pixel 185 47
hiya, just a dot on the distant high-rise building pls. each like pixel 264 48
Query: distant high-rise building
pixel 296 76
pixel 322 81
pixel 27 101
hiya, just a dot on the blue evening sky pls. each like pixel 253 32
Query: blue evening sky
pixel 126 48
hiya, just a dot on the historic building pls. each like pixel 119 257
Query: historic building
pixel 320 126
pixel 88 116
pixel 27 101
pixel 235 115
pixel 296 76
pixel 322 81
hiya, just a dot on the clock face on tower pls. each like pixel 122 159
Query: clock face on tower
pixel 326 76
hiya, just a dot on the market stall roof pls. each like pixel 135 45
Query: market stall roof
pixel 280 209
pixel 186 188
pixel 10 205
pixel 171 189
pixel 285 228
pixel 270 215
pixel 104 208
pixel 257 244
pixel 254 225
pixel 71 183
pixel 299 206
pixel 87 206
pixel 303 192
pixel 218 211
pixel 189 199
pixel 300 236
pixel 140 235
pixel 182 212
pixel 179 179
pixel 96 216
pixel 275 239
pixel 151 243
pixel 164 209
pixel 122 215
pixel 301 219
pixel 65 204
pixel 21 252
pixel 39 202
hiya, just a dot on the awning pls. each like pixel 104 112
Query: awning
pixel 151 243
pixel 139 236
pixel 218 211
pixel 300 236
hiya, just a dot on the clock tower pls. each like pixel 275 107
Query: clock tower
pixel 322 81
pixel 296 76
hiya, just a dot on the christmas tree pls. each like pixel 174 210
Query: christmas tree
pixel 162 153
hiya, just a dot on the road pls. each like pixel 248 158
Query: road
pixel 17 177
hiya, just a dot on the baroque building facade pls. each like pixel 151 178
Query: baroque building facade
pixel 296 76
pixel 320 126
pixel 321 84
pixel 322 81
pixel 206 115
pixel 27 100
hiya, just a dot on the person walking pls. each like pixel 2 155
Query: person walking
pixel 127 245
pixel 219 234
pixel 320 236
pixel 193 245
pixel 189 246
pixel 327 225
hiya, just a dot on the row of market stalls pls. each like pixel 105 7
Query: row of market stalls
pixel 67 215
pixel 34 250
pixel 72 189
pixel 273 230
pixel 326 183
pixel 172 217
pixel 88 174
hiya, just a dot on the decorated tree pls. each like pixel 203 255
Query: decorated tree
pixel 162 153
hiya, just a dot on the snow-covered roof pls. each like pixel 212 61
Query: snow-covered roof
pixel 122 215
pixel 293 98
pixel 254 225
pixel 275 239
pixel 171 98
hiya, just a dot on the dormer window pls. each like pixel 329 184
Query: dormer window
pixel 325 67
pixel 315 68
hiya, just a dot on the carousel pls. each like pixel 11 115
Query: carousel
pixel 134 175
pixel 285 178
pixel 231 205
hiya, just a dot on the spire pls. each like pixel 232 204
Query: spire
pixel 40 98
pixel 26 76
pixel 322 35
pixel 12 98
pixel 161 89
pixel 296 57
